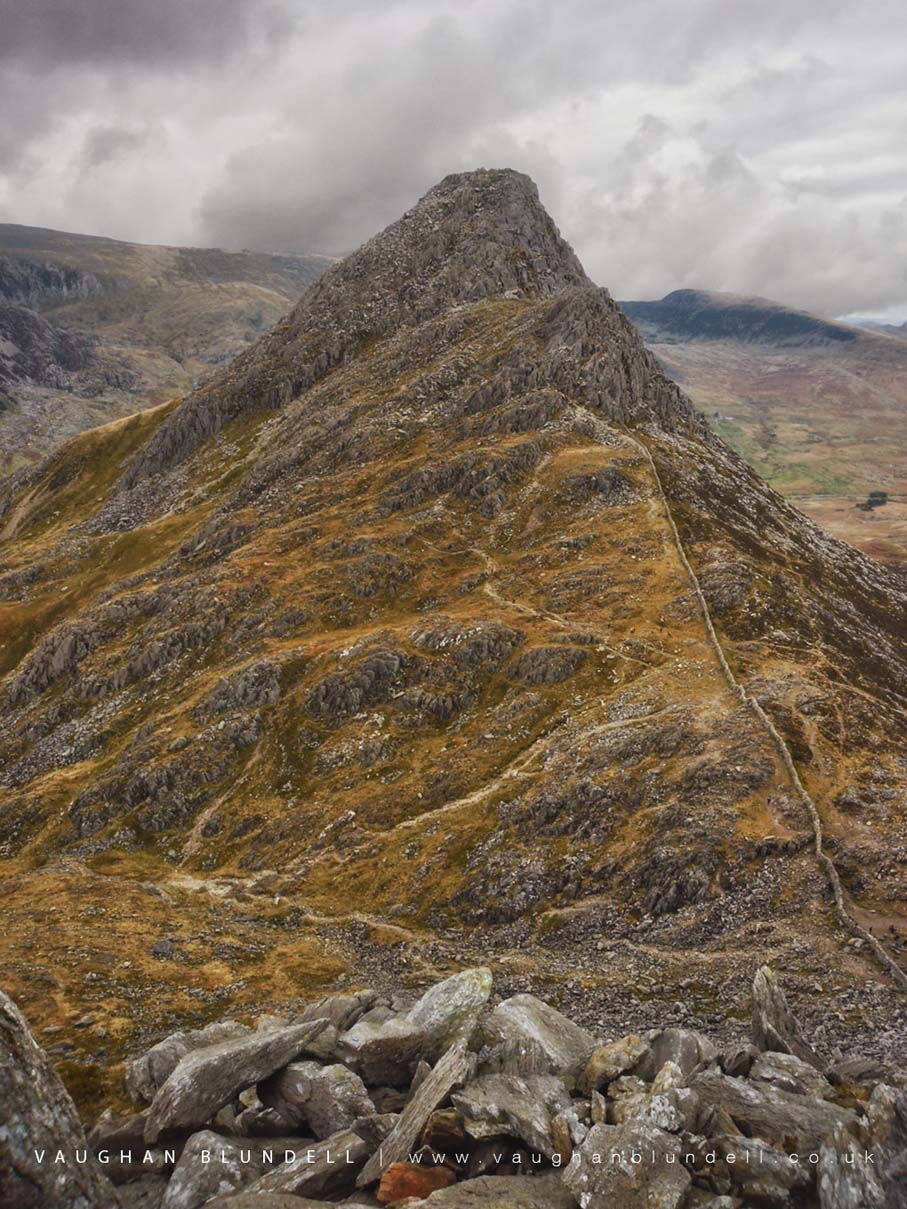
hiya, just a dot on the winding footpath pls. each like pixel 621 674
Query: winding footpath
pixel 826 863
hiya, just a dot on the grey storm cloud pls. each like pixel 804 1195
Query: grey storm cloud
pixel 756 146
pixel 53 33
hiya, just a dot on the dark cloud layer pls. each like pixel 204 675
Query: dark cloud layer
pixel 159 33
pixel 756 146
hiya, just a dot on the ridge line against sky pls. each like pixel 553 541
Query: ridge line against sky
pixel 752 147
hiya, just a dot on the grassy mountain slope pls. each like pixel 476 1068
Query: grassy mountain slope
pixel 378 653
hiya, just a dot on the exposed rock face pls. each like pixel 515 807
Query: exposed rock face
pixel 598 1181
pixel 37 1119
pixel 524 1019
pixel 32 350
pixel 146 1074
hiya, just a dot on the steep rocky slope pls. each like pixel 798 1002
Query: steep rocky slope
pixel 92 329
pixel 439 627
pixel 817 407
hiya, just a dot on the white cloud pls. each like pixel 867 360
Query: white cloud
pixel 756 147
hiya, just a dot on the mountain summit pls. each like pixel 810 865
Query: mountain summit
pixel 475 236
pixel 438 625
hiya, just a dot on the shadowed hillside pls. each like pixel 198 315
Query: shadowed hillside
pixel 149 323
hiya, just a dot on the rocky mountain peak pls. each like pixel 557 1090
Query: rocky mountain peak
pixel 475 235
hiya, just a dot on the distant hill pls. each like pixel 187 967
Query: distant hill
pixel 92 329
pixel 818 407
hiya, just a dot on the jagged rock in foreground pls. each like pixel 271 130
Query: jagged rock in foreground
pixel 37 1117
pixel 651 1134
pixel 436 631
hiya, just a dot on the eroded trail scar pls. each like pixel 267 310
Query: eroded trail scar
pixel 826 863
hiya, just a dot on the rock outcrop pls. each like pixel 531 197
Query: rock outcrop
pixel 38 1124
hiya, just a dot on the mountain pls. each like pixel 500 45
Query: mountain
pixel 92 329
pixel 438 628
pixel 817 407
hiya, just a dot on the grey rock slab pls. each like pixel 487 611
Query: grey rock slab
pixel 505 1192
pixel 886 1127
pixel 449 1011
pixel 147 1073
pixel 759 1172
pixel 326 1169
pixel 684 1046
pixel 37 1114
pixel 759 1110
pixel 672 1110
pixel 342 1011
pixel 207 1079
pixel 603 1175
pixel 385 1053
pixel 449 1073
pixel 844 1179
pixel 525 1018
pixel 231 1164
pixel 774 1025
pixel 326 1098
pixel 508 1104
pixel 790 1074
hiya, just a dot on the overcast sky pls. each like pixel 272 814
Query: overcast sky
pixel 757 146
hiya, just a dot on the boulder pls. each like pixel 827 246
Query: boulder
pixel 790 1074
pixel 603 1174
pixel 760 1110
pixel 325 1098
pixel 886 1115
pixel 844 1178
pixel 449 1011
pixel 342 1011
pixel 521 1108
pixel 672 1110
pixel 683 1046
pixel 231 1164
pixel 449 1073
pixel 774 1026
pixel 523 1018
pixel 403 1180
pixel 608 1062
pixel 327 1169
pixel 151 1070
pixel 387 1052
pixel 37 1117
pixel 207 1079
pixel 760 1173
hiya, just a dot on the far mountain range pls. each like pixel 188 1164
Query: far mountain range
pixel 92 329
